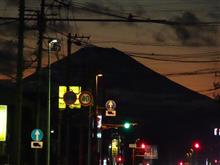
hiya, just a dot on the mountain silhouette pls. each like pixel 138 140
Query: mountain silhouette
pixel 167 114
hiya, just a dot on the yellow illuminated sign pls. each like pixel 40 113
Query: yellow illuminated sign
pixel 63 90
pixel 114 147
pixel 3 122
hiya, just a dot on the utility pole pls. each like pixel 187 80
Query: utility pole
pixel 216 85
pixel 77 40
pixel 19 85
pixel 41 29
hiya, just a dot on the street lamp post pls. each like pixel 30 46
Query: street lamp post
pixel 51 45
pixel 98 133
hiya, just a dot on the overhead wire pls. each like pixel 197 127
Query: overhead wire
pixel 143 43
pixel 114 14
pixel 174 60
pixel 7 22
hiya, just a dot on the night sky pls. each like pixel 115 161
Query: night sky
pixel 175 52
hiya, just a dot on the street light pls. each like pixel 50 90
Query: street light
pixel 98 133
pixel 52 46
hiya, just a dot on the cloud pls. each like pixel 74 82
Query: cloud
pixel 8 28
pixel 8 58
pixel 12 2
pixel 214 15
pixel 59 26
pixel 160 37
pixel 195 35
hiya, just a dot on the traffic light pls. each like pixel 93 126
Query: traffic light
pixel 196 145
pixel 127 125
pixel 143 145
pixel 216 161
pixel 119 158
pixel 180 163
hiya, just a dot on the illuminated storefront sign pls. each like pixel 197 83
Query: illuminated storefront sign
pixel 115 147
pixel 3 122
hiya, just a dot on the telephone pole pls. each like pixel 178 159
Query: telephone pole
pixel 41 31
pixel 19 85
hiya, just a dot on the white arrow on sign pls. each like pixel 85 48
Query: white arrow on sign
pixel 37 133
pixel 110 105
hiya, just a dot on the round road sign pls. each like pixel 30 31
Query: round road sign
pixel 85 98
pixel 37 135
pixel 69 98
pixel 110 105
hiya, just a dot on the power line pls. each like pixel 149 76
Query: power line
pixel 131 20
pixel 175 60
pixel 165 44
pixel 180 55
pixel 8 22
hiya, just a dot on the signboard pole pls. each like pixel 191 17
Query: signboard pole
pixel 133 157
pixel 89 134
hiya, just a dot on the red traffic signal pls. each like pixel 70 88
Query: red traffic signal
pixel 143 145
pixel 119 159
pixel 180 163
pixel 216 161
pixel 196 145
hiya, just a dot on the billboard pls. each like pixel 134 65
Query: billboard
pixel 151 152
pixel 3 122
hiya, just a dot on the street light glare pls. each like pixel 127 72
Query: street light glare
pixel 99 75
pixel 53 41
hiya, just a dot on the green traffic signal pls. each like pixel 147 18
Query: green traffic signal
pixel 127 125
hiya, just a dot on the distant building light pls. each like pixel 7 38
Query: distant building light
pixel 105 161
pixel 99 121
pixel 217 131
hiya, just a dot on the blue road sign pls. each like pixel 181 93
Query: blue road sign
pixel 37 135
